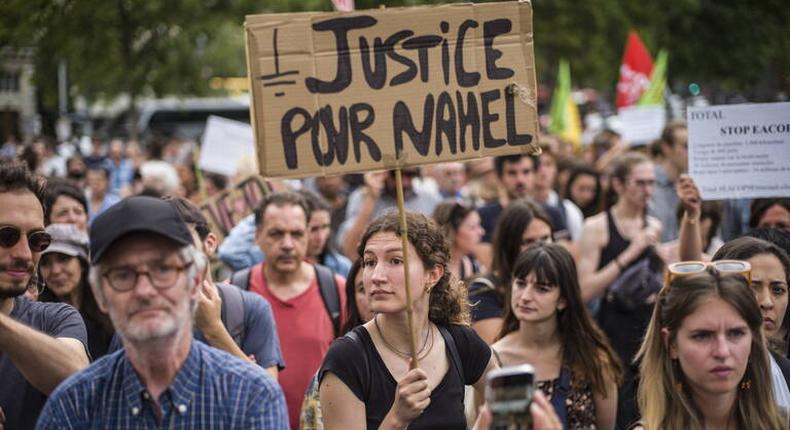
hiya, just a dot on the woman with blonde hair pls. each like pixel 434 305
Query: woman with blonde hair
pixel 704 357
pixel 367 379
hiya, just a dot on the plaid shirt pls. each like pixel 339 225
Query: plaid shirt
pixel 212 390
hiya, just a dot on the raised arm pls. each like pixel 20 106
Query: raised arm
pixel 689 238
pixel 593 282
pixel 360 212
pixel 208 320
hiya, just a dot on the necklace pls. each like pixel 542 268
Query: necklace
pixel 402 354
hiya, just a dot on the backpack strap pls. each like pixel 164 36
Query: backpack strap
pixel 454 355
pixel 232 312
pixel 561 394
pixel 497 358
pixel 329 294
pixel 241 278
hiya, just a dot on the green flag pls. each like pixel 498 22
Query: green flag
pixel 559 100
pixel 654 94
pixel 565 122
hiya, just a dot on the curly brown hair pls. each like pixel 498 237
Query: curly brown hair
pixel 448 302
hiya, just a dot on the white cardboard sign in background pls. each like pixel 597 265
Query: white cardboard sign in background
pixel 740 151
pixel 225 144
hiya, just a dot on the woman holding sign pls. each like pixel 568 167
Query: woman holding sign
pixel 367 379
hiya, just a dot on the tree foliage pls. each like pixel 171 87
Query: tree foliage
pixel 163 47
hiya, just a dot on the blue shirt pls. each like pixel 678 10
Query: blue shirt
pixel 121 175
pixel 212 390
pixel 109 200
pixel 239 249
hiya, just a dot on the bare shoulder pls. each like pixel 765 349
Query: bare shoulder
pixel 595 229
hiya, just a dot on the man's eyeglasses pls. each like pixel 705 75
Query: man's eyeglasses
pixel 161 276
pixel 37 240
pixel 725 266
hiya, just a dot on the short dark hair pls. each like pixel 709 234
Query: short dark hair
pixel 746 247
pixel 281 198
pixel 580 170
pixel 510 228
pixel 16 176
pixel 668 134
pixel 102 167
pixel 314 201
pixel 778 237
pixel 760 207
pixel 220 181
pixel 191 214
pixel 62 187
pixel 499 162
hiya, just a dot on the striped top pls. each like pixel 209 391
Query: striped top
pixel 212 390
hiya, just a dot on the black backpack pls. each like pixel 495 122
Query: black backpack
pixel 326 285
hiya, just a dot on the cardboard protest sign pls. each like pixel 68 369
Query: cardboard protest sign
pixel 224 144
pixel 740 151
pixel 229 207
pixel 349 92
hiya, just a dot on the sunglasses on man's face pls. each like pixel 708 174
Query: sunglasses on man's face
pixel 37 240
pixel 682 268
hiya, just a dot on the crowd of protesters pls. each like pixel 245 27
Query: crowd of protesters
pixel 638 304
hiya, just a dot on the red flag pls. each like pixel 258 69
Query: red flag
pixel 634 72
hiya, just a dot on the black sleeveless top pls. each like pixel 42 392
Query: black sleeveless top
pixel 358 364
pixel 624 329
pixel 616 245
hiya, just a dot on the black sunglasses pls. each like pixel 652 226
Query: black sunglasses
pixel 37 240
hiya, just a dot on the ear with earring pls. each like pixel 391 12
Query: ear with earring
pixel 37 283
pixel 746 382
pixel 678 373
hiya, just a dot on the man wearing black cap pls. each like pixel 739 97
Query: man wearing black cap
pixel 41 344
pixel 146 275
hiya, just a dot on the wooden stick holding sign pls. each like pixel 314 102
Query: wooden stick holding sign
pixel 404 235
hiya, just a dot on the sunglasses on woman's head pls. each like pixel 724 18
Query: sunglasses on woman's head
pixel 724 266
pixel 37 240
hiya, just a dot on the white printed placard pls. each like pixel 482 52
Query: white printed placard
pixel 225 144
pixel 740 151
pixel 642 124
